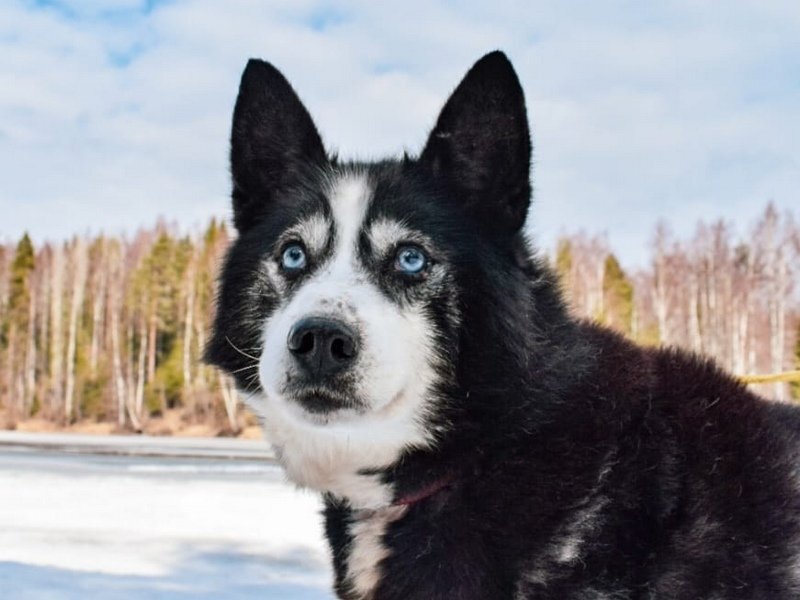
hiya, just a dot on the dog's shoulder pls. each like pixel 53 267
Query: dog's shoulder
pixel 697 482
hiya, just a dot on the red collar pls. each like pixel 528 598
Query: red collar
pixel 427 491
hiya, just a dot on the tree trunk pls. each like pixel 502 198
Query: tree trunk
pixel 30 359
pixel 98 307
pixel 778 321
pixel 152 346
pixel 188 328
pixel 694 317
pixel 78 288
pixel 230 401
pixel 140 379
pixel 57 329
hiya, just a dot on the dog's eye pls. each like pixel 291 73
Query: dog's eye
pixel 293 258
pixel 410 260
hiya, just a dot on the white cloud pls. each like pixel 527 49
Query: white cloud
pixel 112 117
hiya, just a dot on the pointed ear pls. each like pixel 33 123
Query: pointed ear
pixel 274 143
pixel 481 146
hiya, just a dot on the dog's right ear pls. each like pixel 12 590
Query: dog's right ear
pixel 274 143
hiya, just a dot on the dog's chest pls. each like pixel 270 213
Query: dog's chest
pixel 366 549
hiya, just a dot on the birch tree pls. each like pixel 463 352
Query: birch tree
pixel 80 260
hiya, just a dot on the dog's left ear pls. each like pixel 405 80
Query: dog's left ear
pixel 481 146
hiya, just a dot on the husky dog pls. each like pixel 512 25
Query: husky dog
pixel 413 361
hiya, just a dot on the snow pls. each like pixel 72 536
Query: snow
pixel 138 445
pixel 140 527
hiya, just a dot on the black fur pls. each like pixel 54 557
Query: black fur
pixel 481 146
pixel 274 145
pixel 580 465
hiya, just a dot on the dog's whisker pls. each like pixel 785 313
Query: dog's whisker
pixel 240 351
pixel 247 368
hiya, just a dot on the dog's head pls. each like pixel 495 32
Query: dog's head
pixel 353 299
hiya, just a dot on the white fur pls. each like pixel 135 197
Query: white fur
pixel 313 231
pixel 271 271
pixel 394 370
pixel 584 523
pixel 565 549
pixel 385 234
pixel 367 550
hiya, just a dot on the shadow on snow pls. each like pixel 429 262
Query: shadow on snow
pixel 202 575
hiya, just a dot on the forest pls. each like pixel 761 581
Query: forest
pixel 111 330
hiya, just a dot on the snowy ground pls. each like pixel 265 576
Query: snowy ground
pixel 140 527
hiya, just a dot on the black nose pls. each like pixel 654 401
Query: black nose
pixel 322 347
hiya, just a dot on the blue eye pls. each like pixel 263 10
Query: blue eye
pixel 410 260
pixel 294 258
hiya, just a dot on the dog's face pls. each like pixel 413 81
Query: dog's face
pixel 344 299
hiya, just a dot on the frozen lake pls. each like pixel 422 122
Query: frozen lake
pixel 111 526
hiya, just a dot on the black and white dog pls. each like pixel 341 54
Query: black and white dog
pixel 413 361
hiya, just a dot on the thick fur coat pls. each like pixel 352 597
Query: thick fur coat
pixel 470 438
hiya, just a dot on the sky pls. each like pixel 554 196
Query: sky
pixel 115 113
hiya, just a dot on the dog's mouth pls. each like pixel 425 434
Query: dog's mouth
pixel 321 401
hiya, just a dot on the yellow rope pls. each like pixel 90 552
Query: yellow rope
pixel 774 378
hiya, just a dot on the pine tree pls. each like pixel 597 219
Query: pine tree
pixel 20 290
pixel 796 384
pixel 17 325
pixel 563 266
pixel 164 270
pixel 618 297
pixel 564 260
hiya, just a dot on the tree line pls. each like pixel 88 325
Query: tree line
pixel 732 296
pixel 113 328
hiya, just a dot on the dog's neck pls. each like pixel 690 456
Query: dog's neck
pixel 394 498
pixel 425 492
pixel 361 567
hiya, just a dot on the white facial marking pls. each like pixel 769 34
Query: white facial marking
pixel 272 273
pixel 385 234
pixel 394 368
pixel 314 232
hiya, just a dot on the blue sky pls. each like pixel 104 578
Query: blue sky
pixel 115 113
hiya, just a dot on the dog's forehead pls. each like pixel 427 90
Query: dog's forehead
pixel 349 196
pixel 337 207
pixel 377 203
pixel 357 199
